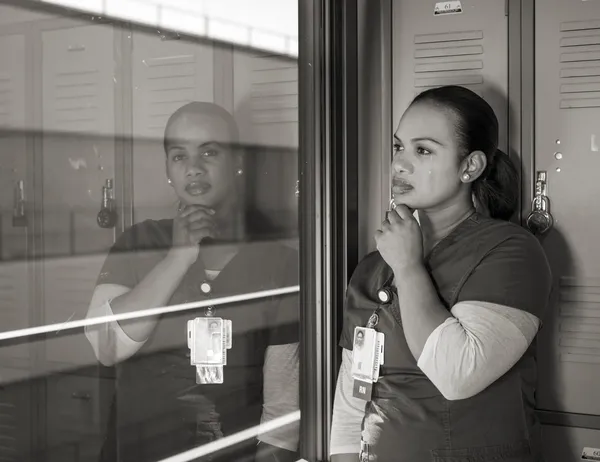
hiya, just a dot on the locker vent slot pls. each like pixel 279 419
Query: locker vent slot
pixel 75 100
pixel 9 308
pixel 274 91
pixel 8 431
pixel 6 95
pixel 580 64
pixel 579 320
pixel 170 82
pixel 69 285
pixel 452 58
pixel 13 306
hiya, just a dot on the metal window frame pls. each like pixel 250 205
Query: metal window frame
pixel 328 209
pixel 521 96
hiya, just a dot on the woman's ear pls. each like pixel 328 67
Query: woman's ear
pixel 238 160
pixel 473 166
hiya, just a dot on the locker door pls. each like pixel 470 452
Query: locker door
pixel 265 94
pixel 468 49
pixel 567 139
pixel 78 121
pixel 14 277
pixel 166 74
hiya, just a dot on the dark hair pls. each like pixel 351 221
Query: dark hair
pixel 204 108
pixel 497 189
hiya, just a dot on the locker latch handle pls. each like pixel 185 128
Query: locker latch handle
pixel 540 219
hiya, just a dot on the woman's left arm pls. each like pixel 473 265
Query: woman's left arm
pixel 400 244
pixel 421 310
pixel 495 318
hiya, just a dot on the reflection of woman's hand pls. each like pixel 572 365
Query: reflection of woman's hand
pixel 190 226
pixel 400 241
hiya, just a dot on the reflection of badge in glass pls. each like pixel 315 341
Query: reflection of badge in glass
pixel 206 288
pixel 208 341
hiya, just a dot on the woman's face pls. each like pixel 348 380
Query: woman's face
pixel 201 163
pixel 426 169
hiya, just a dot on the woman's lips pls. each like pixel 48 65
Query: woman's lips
pixel 400 186
pixel 197 188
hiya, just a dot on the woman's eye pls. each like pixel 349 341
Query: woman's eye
pixel 423 152
pixel 398 148
pixel 210 153
pixel 177 157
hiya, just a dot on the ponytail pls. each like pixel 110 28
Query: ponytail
pixel 497 190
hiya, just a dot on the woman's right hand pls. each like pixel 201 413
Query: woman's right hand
pixel 190 227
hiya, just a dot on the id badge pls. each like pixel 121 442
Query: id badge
pixel 363 353
pixel 367 358
pixel 209 339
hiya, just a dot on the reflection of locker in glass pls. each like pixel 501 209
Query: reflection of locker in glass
pixel 14 282
pixel 79 81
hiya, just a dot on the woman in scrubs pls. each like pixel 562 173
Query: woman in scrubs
pixel 459 297
pixel 213 248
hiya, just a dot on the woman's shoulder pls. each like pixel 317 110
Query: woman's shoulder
pixel 146 234
pixel 272 252
pixel 501 233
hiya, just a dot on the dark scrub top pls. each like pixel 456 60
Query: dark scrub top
pixel 160 410
pixel 408 420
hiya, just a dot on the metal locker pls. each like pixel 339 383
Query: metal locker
pixel 469 48
pixel 265 96
pixel 567 148
pixel 14 276
pixel 78 79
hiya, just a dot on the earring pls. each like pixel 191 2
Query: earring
pixel 169 181
pixel 466 177
pixel 240 172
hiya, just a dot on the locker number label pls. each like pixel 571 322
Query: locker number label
pixel 453 7
pixel 591 454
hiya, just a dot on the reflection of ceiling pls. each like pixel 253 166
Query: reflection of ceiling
pixel 269 25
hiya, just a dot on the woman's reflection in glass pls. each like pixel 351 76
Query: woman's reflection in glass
pixel 216 241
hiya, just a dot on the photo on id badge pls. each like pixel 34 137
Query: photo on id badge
pixel 363 353
pixel 359 339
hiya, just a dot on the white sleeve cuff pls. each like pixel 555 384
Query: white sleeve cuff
pixel 281 394
pixel 470 351
pixel 348 412
pixel 108 340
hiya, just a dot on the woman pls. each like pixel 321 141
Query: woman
pixel 212 248
pixel 467 295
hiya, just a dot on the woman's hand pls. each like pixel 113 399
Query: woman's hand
pixel 399 240
pixel 193 224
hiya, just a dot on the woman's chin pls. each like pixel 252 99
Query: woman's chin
pixel 201 200
pixel 399 200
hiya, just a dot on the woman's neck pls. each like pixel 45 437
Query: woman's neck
pixel 230 222
pixel 436 225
